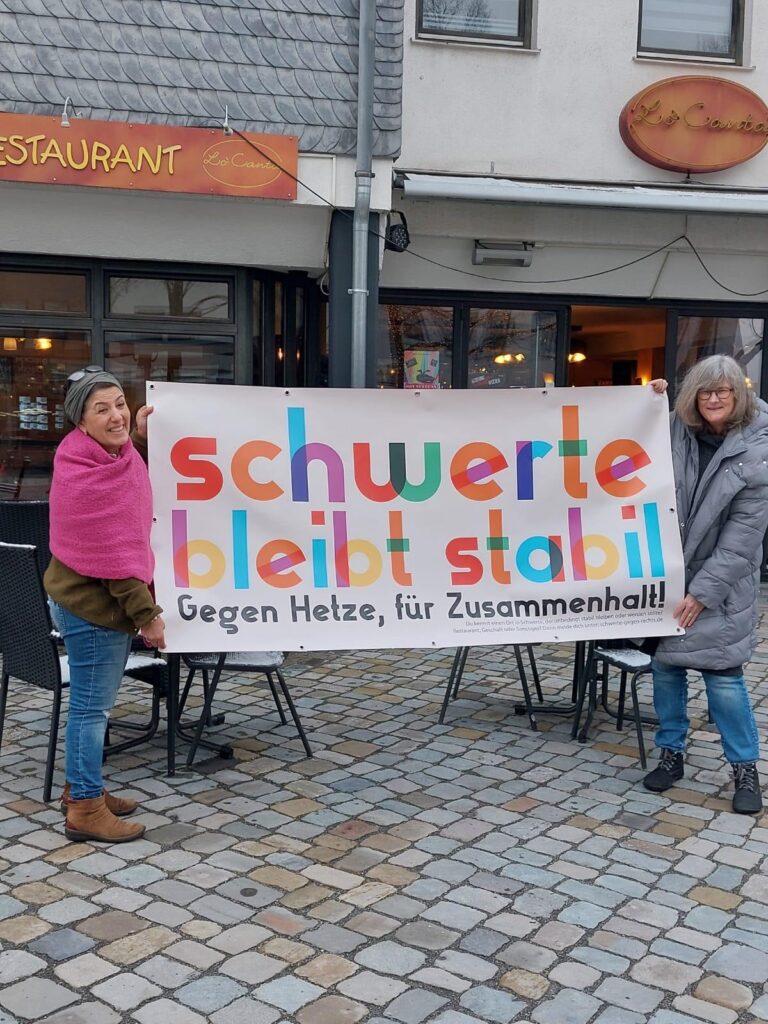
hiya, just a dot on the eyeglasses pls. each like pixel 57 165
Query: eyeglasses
pixel 79 374
pixel 73 378
pixel 722 394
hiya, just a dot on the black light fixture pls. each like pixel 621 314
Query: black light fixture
pixel 396 236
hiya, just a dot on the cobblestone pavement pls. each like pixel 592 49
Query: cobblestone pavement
pixel 409 872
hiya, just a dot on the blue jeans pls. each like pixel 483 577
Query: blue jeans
pixel 97 658
pixel 729 705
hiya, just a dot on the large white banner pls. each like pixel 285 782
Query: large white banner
pixel 327 519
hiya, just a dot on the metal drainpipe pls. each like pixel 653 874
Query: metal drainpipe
pixel 363 175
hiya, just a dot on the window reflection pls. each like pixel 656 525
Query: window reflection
pixel 414 346
pixel 195 360
pixel 511 348
pixel 702 336
pixel 171 297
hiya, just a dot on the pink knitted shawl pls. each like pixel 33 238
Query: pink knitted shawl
pixel 101 510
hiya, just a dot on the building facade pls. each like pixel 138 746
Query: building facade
pixel 585 195
pixel 174 285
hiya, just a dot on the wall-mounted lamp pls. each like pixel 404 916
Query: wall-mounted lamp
pixel 43 344
pixel 10 344
pixel 64 116
pixel 226 126
pixel 396 235
pixel 505 254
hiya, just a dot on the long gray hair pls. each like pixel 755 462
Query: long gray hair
pixel 708 375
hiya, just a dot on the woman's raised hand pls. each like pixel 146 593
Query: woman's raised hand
pixel 659 386
pixel 141 420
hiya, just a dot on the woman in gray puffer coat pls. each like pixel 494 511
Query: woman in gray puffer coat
pixel 720 459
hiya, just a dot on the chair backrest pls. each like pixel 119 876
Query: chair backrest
pixel 28 649
pixel 27 522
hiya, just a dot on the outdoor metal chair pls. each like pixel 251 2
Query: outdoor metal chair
pixel 11 478
pixel 30 652
pixel 27 522
pixel 632 663
pixel 457 671
pixel 268 663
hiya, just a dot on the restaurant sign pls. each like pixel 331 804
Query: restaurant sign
pixel 147 157
pixel 695 124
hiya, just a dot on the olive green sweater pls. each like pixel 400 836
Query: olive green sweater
pixel 122 605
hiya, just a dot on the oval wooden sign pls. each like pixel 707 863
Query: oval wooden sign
pixel 695 124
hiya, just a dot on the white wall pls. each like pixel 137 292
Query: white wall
pixel 113 224
pixel 552 114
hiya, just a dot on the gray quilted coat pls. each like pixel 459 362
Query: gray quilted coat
pixel 722 529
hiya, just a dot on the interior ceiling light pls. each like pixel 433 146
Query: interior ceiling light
pixel 576 357
pixel 42 344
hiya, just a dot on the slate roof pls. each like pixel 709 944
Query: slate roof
pixel 286 66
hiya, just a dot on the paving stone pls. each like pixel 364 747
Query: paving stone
pixel 714 989
pixel 163 1011
pixel 526 984
pixel 252 967
pixel 209 993
pixel 664 973
pixel 84 971
pixel 36 997
pixel 568 1007
pixel 739 963
pixel 367 987
pixel 629 995
pixel 288 993
pixel 61 944
pixel 491 1004
pixel 426 935
pixel 165 972
pixel 332 1010
pixel 414 1006
pixel 16 964
pixel 125 991
pixel 246 1011
pixel 83 1013
pixel 326 970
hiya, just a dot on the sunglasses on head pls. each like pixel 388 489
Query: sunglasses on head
pixel 79 374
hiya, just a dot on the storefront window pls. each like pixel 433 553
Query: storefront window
pixel 42 292
pixel 34 367
pixel 511 348
pixel 702 336
pixel 179 359
pixel 414 346
pixel 169 297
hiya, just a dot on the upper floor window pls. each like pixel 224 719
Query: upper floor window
pixel 502 20
pixel 710 29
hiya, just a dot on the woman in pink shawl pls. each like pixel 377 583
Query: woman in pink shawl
pixel 98 583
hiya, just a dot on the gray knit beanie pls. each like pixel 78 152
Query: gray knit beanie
pixel 78 391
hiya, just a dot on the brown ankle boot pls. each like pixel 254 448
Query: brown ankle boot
pixel 119 805
pixel 91 820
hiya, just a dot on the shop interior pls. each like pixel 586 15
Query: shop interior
pixel 616 345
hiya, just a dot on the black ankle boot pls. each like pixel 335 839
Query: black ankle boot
pixel 670 769
pixel 746 795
